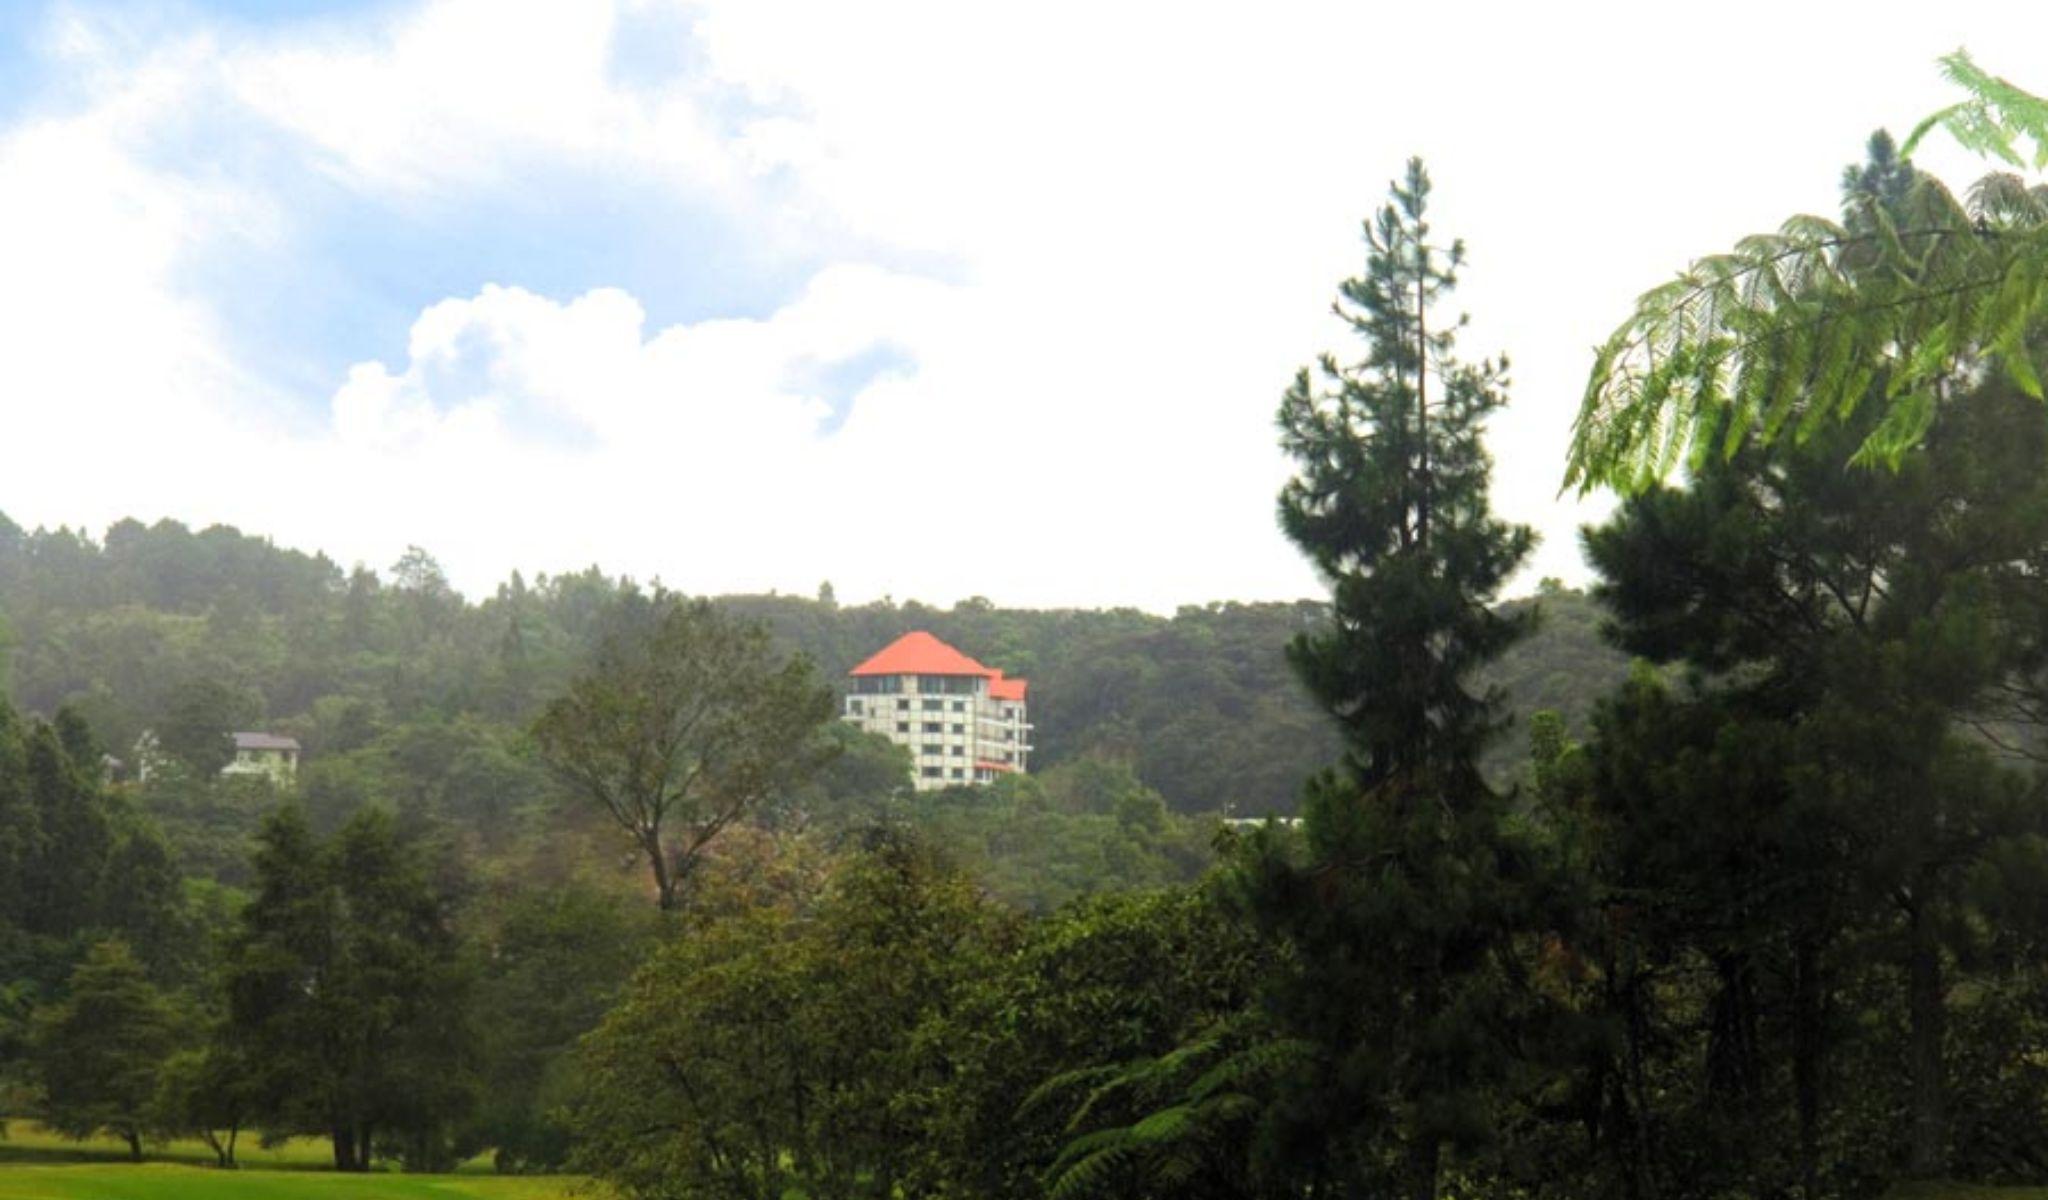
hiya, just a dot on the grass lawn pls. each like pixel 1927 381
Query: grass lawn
pixel 28 1142
pixel 175 1181
pixel 1948 1192
pixel 36 1164
pixel 181 1182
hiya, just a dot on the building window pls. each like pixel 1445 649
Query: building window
pixel 934 705
pixel 959 750
pixel 853 706
pixel 959 774
pixel 957 685
pixel 903 727
pixel 1006 756
pixel 959 706
pixel 933 772
pixel 903 706
pixel 1009 735
pixel 935 727
pixel 931 748
pixel 958 728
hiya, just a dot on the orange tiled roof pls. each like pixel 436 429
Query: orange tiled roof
pixel 920 653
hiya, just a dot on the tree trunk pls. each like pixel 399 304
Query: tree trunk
pixel 1806 1056
pixel 1927 1133
pixel 1636 1176
pixel 1733 1071
pixel 664 879
pixel 344 1148
pixel 1422 398
pixel 234 1132
pixel 363 1145
pixel 134 1144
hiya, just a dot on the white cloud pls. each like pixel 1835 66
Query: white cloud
pixel 467 93
pixel 1139 214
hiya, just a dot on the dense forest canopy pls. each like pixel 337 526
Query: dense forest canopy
pixel 1201 705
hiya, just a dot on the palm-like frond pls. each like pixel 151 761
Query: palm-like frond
pixel 1792 329
pixel 1209 1085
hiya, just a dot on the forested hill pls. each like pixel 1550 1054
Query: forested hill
pixel 135 629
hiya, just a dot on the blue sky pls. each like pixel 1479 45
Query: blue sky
pixel 356 267
pixel 931 300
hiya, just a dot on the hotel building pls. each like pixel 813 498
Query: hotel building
pixel 963 723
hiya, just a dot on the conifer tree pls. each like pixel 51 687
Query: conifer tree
pixel 1400 897
pixel 97 1052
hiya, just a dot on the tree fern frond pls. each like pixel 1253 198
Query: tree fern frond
pixel 1788 330
pixel 1064 1082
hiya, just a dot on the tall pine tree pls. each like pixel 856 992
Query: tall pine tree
pixel 1400 900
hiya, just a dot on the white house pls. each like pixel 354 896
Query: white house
pixel 265 754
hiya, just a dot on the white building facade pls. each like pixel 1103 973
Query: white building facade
pixel 962 722
pixel 266 754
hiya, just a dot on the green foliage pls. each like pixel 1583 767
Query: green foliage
pixel 75 864
pixel 774 1051
pixel 1789 332
pixel 682 727
pixel 1796 849
pixel 97 1053
pixel 1401 902
pixel 1996 121
pixel 1201 704
pixel 1033 854
pixel 554 960
pixel 1108 981
pixel 196 719
pixel 1201 1103
pixel 205 1092
pixel 347 993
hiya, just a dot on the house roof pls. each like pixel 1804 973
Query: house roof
pixel 920 653
pixel 265 741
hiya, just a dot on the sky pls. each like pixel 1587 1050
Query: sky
pixel 929 300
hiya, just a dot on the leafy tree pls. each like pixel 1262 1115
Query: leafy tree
pixel 555 960
pixel 766 1053
pixel 864 782
pixel 1104 983
pixel 1400 903
pixel 681 728
pixel 1038 858
pixel 348 994
pixel 63 875
pixel 1912 293
pixel 205 1093
pixel 21 831
pixel 140 898
pixel 196 720
pixel 97 1052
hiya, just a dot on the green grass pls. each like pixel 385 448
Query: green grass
pixel 28 1142
pixel 1946 1191
pixel 174 1181
pixel 1942 1192
pixel 36 1164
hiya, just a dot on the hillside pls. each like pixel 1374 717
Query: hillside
pixel 132 628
